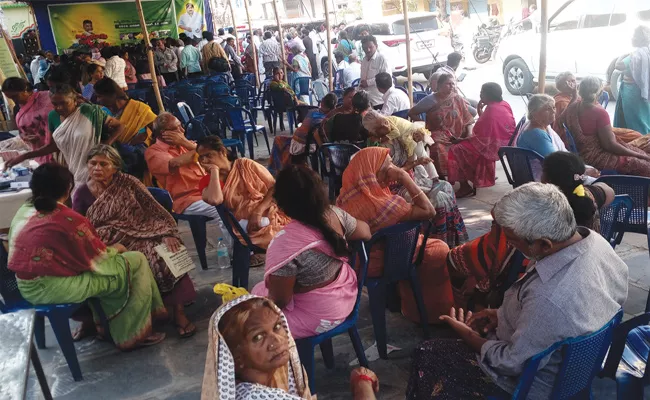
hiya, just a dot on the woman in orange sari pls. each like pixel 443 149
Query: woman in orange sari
pixel 244 187
pixel 448 120
pixel 366 196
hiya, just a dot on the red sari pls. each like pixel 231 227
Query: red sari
pixel 474 159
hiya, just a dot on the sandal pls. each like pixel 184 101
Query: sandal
pixel 257 260
pixel 187 333
pixel 153 339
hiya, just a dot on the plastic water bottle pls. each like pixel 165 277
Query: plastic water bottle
pixel 223 260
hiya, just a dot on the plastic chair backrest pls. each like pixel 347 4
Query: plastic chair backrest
pixel 228 101
pixel 572 143
pixel 220 77
pixel 518 128
pixel 320 89
pixel 355 83
pixel 417 86
pixel 302 86
pixel 232 226
pixel 516 163
pixel 604 99
pixel 185 111
pixel 582 359
pixel 162 197
pixel 338 155
pixel 402 114
pixel 138 94
pixel 239 118
pixel 637 188
pixel 8 285
pixel 278 101
pixel 418 96
pixel 403 89
pixel 399 242
pixel 614 219
pixel 245 92
pixel 214 89
pixel 195 130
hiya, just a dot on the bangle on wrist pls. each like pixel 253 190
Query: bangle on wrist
pixel 417 195
pixel 363 377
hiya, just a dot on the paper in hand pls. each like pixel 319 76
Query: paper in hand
pixel 179 263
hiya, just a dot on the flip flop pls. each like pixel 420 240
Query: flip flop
pixel 187 333
pixel 153 339
pixel 257 260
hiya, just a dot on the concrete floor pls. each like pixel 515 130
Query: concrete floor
pixel 174 368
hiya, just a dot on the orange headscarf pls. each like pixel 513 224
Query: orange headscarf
pixel 364 198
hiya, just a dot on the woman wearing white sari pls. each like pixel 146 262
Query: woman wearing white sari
pixel 75 128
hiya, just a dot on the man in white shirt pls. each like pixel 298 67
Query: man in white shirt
pixel 34 65
pixel 270 52
pixel 352 72
pixel 371 65
pixel 394 99
pixel 203 42
pixel 191 22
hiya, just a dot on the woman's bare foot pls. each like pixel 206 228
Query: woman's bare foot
pixel 184 326
pixel 87 329
pixel 153 339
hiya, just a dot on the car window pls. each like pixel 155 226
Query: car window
pixel 568 18
pixel 599 14
pixel 379 29
pixel 419 24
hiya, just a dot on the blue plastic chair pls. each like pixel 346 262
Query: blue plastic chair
pixel 302 87
pixel 418 96
pixel 197 223
pixel 334 158
pixel 516 163
pixel 215 122
pixel 6 135
pixel 402 114
pixel 224 102
pixel 637 188
pixel 399 243
pixel 279 106
pixel 518 128
pixel 604 99
pixel 320 90
pixel 241 123
pixel 58 314
pixel 355 83
pixel 582 360
pixel 138 94
pixel 220 77
pixel 246 93
pixel 306 346
pixel 614 219
pixel 185 112
pixel 572 143
pixel 242 248
pixel 403 89
pixel 417 86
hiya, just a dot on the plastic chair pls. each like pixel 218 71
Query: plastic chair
pixel 4 135
pixel 614 219
pixel 320 90
pixel 355 83
pixel 215 124
pixel 518 128
pixel 572 143
pixel 220 77
pixel 334 158
pixel 241 250
pixel 241 123
pixel 197 223
pixel 246 93
pixel 138 94
pixel 582 360
pixel 302 87
pixel 402 114
pixel 417 86
pixel 58 315
pixel 637 188
pixel 307 345
pixel 399 242
pixel 403 89
pixel 418 96
pixel 604 99
pixel 516 163
pixel 338 79
pixel 228 101
pixel 185 111
pixel 278 107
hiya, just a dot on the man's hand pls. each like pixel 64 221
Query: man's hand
pixel 485 321
pixel 174 138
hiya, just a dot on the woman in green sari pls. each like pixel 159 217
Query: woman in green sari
pixel 58 258
pixel 278 84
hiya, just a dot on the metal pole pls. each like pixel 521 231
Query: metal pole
pixel 152 66
pixel 407 30
pixel 284 58
pixel 250 29
pixel 234 26
pixel 329 44
pixel 542 50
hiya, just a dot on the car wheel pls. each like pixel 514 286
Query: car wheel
pixel 614 81
pixel 518 78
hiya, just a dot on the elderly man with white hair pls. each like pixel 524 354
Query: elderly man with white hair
pixel 574 285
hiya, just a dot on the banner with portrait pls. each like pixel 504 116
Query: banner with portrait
pixel 100 24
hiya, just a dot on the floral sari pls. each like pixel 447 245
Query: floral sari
pixel 59 258
pixel 247 184
pixel 474 159
pixel 32 123
pixel 445 120
pixel 219 380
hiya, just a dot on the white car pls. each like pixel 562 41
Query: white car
pixel 585 37
pixel 429 44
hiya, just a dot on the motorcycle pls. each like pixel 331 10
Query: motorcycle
pixel 485 42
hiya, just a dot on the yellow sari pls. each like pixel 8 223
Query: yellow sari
pixel 135 117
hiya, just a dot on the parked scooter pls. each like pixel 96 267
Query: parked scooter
pixel 485 42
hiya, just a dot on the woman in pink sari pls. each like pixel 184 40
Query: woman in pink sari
pixel 307 272
pixel 472 158
pixel 32 116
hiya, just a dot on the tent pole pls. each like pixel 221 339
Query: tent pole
pixel 407 30
pixel 255 60
pixel 234 26
pixel 542 51
pixel 329 45
pixel 152 66
pixel 281 37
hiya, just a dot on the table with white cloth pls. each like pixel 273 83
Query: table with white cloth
pixel 10 202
